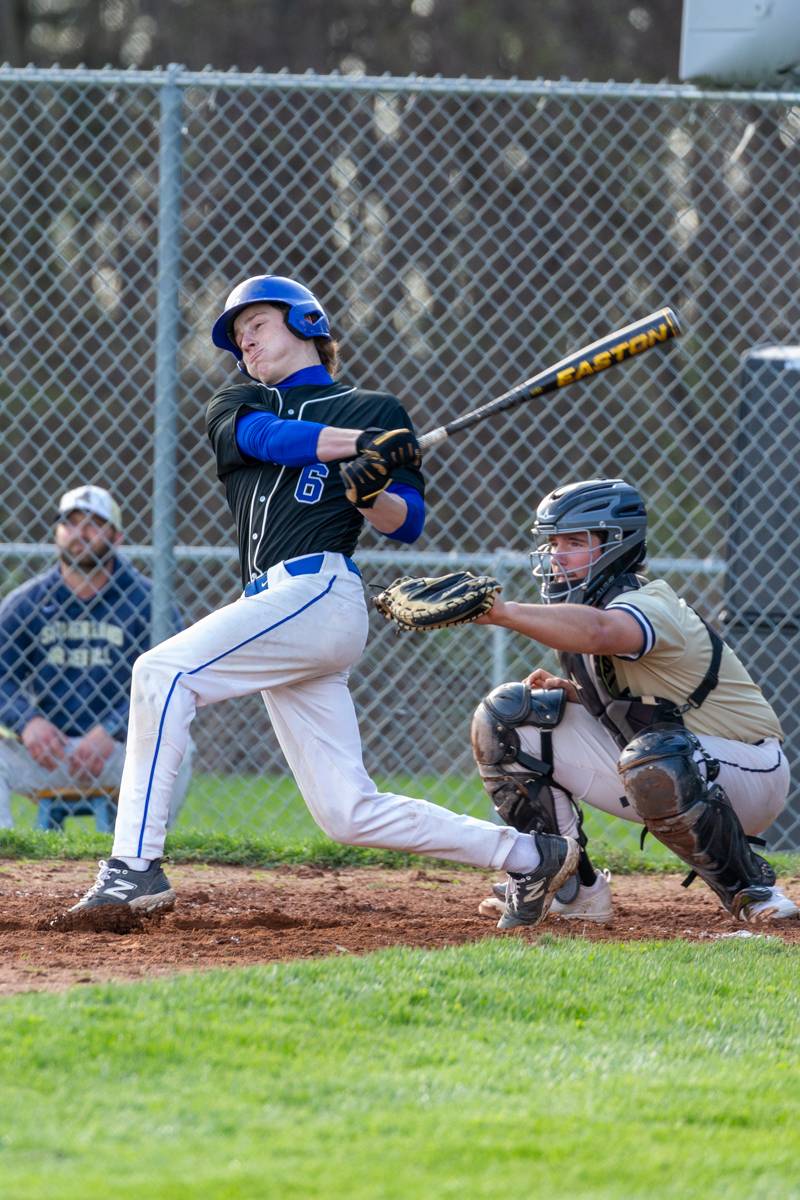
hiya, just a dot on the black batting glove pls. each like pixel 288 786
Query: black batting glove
pixel 393 447
pixel 364 478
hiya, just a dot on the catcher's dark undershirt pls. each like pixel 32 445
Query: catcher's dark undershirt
pixel 282 512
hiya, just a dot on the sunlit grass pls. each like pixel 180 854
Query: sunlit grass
pixel 563 1068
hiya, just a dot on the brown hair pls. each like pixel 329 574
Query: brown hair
pixel 328 351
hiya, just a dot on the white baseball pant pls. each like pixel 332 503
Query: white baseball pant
pixel 585 756
pixel 295 642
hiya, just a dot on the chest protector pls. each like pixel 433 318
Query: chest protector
pixel 622 714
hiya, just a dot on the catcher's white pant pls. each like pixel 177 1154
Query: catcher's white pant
pixel 295 642
pixel 585 756
pixel 20 774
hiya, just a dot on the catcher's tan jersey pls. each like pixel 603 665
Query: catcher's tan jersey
pixel 676 655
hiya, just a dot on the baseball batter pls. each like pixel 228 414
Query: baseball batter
pixel 653 718
pixel 305 460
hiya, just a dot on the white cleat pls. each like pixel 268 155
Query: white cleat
pixel 776 907
pixel 591 903
pixel 492 906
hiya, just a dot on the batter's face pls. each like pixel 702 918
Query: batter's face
pixel 85 541
pixel 572 554
pixel 270 351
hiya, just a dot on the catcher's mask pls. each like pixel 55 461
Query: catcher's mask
pixel 302 312
pixel 610 508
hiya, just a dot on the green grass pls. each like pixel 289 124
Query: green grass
pixel 316 850
pixel 271 807
pixel 261 822
pixel 271 804
pixel 503 1068
pixel 240 802
pixel 265 804
pixel 563 1068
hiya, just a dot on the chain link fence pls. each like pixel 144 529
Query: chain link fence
pixel 462 235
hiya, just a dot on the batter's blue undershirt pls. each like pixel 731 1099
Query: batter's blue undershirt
pixel 269 438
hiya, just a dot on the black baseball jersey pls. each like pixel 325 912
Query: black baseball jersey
pixel 282 512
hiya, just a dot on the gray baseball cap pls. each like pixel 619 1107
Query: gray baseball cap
pixel 92 499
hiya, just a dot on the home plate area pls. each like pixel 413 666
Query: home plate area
pixel 237 916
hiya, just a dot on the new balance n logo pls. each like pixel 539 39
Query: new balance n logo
pixel 119 889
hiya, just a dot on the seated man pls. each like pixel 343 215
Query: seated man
pixel 653 718
pixel 68 641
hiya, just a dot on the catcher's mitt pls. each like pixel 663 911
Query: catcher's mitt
pixel 435 603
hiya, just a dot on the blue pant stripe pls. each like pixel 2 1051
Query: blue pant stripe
pixel 195 671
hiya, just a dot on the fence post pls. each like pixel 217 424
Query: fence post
pixel 499 569
pixel 166 371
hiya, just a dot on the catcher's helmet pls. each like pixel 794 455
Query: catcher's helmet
pixel 609 507
pixel 304 315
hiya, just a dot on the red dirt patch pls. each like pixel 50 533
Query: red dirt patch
pixel 235 916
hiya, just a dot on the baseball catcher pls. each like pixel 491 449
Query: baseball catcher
pixel 652 717
pixel 422 604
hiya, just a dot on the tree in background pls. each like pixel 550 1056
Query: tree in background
pixel 618 39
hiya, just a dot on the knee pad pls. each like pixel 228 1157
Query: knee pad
pixel 692 816
pixel 660 775
pixel 494 736
pixel 517 783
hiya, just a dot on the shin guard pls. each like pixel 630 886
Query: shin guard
pixel 691 816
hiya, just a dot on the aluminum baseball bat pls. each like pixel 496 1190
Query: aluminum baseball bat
pixel 583 364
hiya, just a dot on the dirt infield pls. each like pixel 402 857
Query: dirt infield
pixel 233 916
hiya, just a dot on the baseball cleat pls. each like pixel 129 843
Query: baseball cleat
pixel 565 894
pixel 529 896
pixel 492 906
pixel 118 884
pixel 590 904
pixel 773 907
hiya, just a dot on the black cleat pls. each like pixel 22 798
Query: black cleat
pixel 144 891
pixel 528 897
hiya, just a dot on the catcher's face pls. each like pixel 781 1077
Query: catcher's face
pixel 572 554
pixel 270 351
pixel 85 540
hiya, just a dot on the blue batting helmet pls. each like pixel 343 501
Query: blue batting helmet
pixel 305 316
